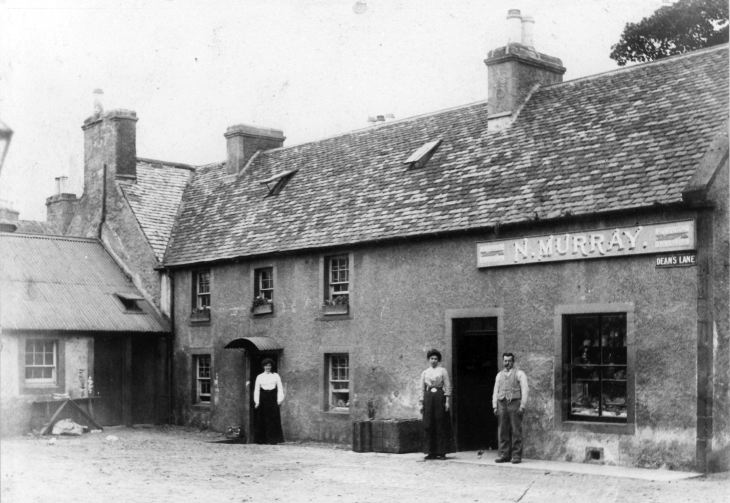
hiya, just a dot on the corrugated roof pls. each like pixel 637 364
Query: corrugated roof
pixel 155 198
pixel 67 284
pixel 625 139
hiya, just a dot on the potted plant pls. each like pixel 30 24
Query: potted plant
pixel 338 304
pixel 262 305
pixel 200 314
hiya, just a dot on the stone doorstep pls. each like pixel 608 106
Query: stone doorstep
pixel 488 457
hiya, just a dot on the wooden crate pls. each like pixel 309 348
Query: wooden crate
pixel 362 436
pixel 397 435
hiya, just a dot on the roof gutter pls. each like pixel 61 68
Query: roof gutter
pixel 495 228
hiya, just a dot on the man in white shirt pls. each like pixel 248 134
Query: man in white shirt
pixel 508 401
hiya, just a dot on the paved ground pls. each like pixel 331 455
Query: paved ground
pixel 178 465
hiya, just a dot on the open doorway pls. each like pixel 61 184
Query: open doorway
pixel 255 368
pixel 475 363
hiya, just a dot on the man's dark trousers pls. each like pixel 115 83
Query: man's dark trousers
pixel 510 429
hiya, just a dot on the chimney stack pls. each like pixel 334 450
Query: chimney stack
pixel 110 154
pixel 244 141
pixel 61 207
pixel 8 217
pixel 514 70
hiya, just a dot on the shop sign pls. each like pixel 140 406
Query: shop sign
pixel 677 260
pixel 602 243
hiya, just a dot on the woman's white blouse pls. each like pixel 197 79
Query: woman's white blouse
pixel 268 382
pixel 435 377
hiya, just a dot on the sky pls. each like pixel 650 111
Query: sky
pixel 312 68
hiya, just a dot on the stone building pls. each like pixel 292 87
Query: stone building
pixel 74 326
pixel 582 225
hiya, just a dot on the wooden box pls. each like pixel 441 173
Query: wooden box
pixel 397 435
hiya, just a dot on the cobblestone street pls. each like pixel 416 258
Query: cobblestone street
pixel 174 464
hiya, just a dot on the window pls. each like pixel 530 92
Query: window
pixel 202 379
pixel 338 382
pixel 41 361
pixel 130 302
pixel 421 156
pixel 264 284
pixel 596 361
pixel 201 294
pixel 337 280
pixel 276 183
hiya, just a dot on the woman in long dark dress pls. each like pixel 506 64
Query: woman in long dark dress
pixel 268 393
pixel 435 396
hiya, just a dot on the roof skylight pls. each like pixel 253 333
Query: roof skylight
pixel 276 183
pixel 130 302
pixel 420 157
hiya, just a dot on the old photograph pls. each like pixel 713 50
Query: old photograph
pixel 364 251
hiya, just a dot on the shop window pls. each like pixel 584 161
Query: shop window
pixel 338 382
pixel 202 379
pixel 337 284
pixel 41 362
pixel 201 295
pixel 595 356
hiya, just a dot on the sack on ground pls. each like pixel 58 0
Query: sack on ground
pixel 67 427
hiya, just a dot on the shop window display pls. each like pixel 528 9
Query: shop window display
pixel 596 348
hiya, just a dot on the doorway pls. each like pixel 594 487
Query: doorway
pixel 255 368
pixel 476 362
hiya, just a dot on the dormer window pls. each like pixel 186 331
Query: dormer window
pixel 130 302
pixel 420 157
pixel 276 183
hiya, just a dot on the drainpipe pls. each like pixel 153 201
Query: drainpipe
pixel 103 202
pixel 171 414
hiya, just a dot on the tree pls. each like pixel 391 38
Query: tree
pixel 674 29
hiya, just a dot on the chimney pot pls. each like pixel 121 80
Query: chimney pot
pixel 528 30
pixel 98 101
pixel 61 184
pixel 514 26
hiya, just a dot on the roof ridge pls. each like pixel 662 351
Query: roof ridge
pixel 484 101
pixel 180 165
pixel 644 64
pixel 366 129
pixel 49 237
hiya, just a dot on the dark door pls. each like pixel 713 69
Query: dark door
pixel 109 380
pixel 144 380
pixel 475 368
pixel 255 368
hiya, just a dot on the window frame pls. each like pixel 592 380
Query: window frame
pixel 200 311
pixel 198 380
pixel 586 372
pixel 564 419
pixel 258 288
pixel 330 390
pixel 41 381
pixel 40 387
pixel 330 283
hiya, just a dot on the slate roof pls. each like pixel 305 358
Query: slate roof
pixel 624 139
pixel 155 198
pixel 66 284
